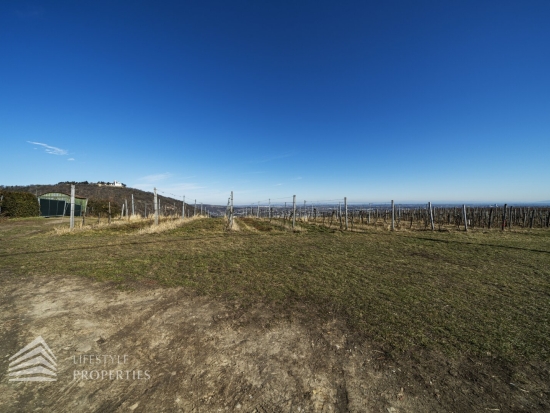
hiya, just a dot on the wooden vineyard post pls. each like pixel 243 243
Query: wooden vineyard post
pixel 293 211
pixel 346 211
pixel 231 212
pixel 227 210
pixel 431 215
pixel 109 213
pixel 464 217
pixel 71 221
pixel 368 218
pixel 392 216
pixel 504 216
pixel 133 210
pixel 183 209
pixel 156 208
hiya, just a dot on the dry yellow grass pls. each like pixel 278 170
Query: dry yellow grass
pixel 65 229
pixel 168 225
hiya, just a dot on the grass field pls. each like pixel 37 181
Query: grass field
pixel 477 293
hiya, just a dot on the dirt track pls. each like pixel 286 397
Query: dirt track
pixel 197 355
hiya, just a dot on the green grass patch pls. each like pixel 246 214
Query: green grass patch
pixel 262 225
pixel 461 293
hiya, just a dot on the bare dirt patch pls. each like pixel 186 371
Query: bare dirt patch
pixel 200 355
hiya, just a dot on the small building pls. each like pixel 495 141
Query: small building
pixel 58 204
pixel 114 183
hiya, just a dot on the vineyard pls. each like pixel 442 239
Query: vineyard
pixel 358 217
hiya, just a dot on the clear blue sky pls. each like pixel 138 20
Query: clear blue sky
pixel 405 100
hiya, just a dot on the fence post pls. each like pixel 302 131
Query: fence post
pixel 71 222
pixel 231 212
pixel 392 216
pixel 346 211
pixel 431 215
pixel 195 208
pixel 293 211
pixel 126 203
pixel 183 208
pixel 133 210
pixel 504 216
pixel 368 218
pixel 156 202
pixel 258 214
pixel 464 217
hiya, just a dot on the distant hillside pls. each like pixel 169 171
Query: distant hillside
pixel 114 194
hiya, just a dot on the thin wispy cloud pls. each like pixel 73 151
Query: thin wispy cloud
pixel 52 150
pixel 70 159
pixel 278 184
pixel 297 178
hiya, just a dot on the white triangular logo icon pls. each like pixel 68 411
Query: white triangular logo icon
pixel 34 362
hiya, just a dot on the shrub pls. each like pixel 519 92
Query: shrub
pixel 19 204
pixel 96 206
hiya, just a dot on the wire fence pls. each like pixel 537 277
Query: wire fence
pixel 343 214
pixel 347 215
